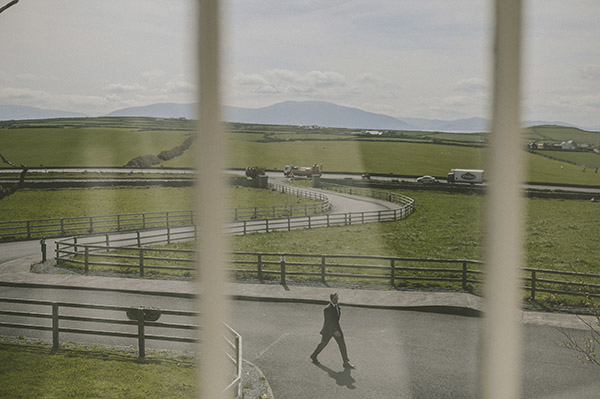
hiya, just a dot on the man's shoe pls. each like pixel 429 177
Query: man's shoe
pixel 347 365
pixel 314 359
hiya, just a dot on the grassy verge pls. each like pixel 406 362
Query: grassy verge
pixel 34 370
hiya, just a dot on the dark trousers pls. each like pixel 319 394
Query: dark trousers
pixel 340 341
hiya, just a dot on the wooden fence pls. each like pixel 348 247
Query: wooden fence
pixel 61 227
pixel 396 272
pixel 137 321
pixel 319 206
pixel 70 226
pixel 407 203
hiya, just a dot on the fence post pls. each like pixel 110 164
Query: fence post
pixel 75 244
pixel 139 238
pixel 309 224
pixel 143 221
pixel 282 264
pixel 55 325
pixel 167 217
pixel 118 222
pixel 533 278
pixel 141 263
pixel 323 263
pixel 168 235
pixel 91 224
pixel 259 267
pixel 43 244
pixel 107 242
pixel 141 337
pixel 244 227
pixel 464 276
pixel 267 225
pixel 28 229
pixel 62 226
pixel 238 363
pixel 86 266
pixel 289 223
pixel 393 272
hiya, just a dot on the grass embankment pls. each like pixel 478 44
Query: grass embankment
pixel 34 370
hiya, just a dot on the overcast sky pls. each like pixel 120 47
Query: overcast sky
pixel 418 58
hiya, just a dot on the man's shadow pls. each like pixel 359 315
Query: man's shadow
pixel 342 378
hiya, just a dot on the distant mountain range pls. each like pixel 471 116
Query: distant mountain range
pixel 21 112
pixel 300 113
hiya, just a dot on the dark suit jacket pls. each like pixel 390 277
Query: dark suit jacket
pixel 331 322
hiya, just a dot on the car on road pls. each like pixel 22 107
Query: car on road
pixel 427 179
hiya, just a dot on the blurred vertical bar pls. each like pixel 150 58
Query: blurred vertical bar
pixel 210 162
pixel 501 351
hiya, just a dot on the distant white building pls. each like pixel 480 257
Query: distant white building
pixel 568 145
pixel 373 133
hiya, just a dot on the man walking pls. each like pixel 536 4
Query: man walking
pixel 331 328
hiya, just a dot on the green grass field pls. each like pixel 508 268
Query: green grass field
pixel 34 370
pixel 588 158
pixel 83 147
pixel 32 204
pixel 114 141
pixel 560 233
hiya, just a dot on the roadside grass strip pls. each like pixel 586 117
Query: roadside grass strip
pixel 34 370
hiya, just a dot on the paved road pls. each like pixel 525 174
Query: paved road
pixel 398 354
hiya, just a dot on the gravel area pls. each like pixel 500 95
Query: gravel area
pixel 254 383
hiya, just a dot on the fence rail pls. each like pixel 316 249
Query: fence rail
pixel 246 219
pixel 320 206
pixel 62 320
pixel 61 227
pixel 406 202
pixel 462 274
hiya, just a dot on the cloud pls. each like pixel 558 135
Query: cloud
pixel 286 81
pixel 23 95
pixel 116 88
pixel 181 86
pixel 472 85
pixel 589 73
pixel 154 74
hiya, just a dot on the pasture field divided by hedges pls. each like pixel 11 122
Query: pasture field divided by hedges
pixel 115 141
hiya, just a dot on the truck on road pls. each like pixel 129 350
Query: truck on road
pixel 473 176
pixel 294 171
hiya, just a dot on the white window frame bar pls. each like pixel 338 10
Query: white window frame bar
pixel 501 340
pixel 210 207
